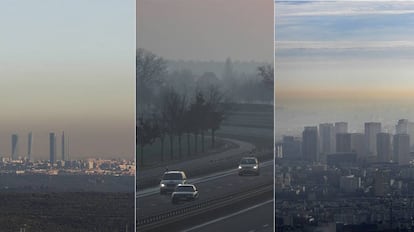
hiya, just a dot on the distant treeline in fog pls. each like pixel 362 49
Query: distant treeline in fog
pixel 217 67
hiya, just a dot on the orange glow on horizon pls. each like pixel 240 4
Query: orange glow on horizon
pixel 345 94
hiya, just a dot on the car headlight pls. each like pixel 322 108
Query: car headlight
pixel 255 166
pixel 240 167
pixel 162 185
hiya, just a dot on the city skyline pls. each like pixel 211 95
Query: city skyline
pixel 75 74
pixel 374 145
pixel 24 146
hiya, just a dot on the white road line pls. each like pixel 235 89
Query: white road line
pixel 228 216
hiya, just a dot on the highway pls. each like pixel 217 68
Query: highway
pixel 257 218
pixel 150 202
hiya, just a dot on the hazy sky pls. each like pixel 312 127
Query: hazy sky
pixel 344 49
pixel 68 65
pixel 206 30
pixel 343 61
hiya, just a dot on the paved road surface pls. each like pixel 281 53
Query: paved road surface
pixel 211 161
pixel 152 203
pixel 258 218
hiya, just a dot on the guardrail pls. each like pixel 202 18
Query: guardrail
pixel 151 223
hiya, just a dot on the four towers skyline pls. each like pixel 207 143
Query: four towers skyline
pixel 15 155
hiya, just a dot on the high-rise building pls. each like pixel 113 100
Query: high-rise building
pixel 310 143
pixel 401 144
pixel 343 142
pixel 405 127
pixel 384 147
pixel 52 147
pixel 401 127
pixel 15 144
pixel 341 127
pixel 358 144
pixel 291 148
pixel 371 131
pixel 29 145
pixel 63 146
pixel 327 138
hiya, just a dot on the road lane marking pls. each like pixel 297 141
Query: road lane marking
pixel 228 216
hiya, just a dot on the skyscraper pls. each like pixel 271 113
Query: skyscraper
pixel 310 143
pixel 401 127
pixel 327 138
pixel 358 144
pixel 384 147
pixel 343 142
pixel 401 149
pixel 29 146
pixel 15 143
pixel 52 147
pixel 63 146
pixel 405 127
pixel 341 127
pixel 371 131
pixel 291 148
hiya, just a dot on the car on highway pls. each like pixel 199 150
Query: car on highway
pixel 249 165
pixel 184 192
pixel 170 180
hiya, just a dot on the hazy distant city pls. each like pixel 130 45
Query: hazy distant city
pixel 343 119
pixel 331 178
pixel 59 162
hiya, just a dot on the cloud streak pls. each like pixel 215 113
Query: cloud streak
pixel 349 12
pixel 345 8
pixel 365 45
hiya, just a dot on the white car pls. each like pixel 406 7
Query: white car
pixel 170 180
pixel 184 192
pixel 249 165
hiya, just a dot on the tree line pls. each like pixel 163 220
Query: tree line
pixel 180 117
pixel 171 104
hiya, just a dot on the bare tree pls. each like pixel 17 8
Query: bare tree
pixel 215 110
pixel 150 69
pixel 267 74
pixel 197 116
pixel 173 112
pixel 147 132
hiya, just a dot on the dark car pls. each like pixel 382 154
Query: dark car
pixel 170 180
pixel 249 165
